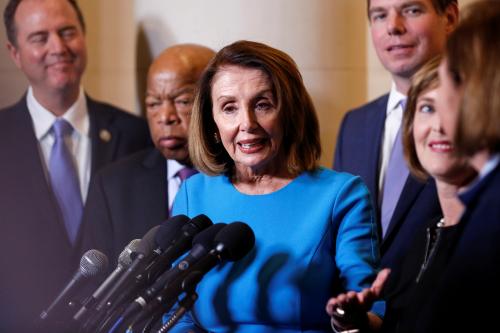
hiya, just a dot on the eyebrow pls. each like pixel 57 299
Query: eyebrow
pixel 401 5
pixel 425 99
pixel 257 95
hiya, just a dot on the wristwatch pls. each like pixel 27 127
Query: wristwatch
pixel 335 330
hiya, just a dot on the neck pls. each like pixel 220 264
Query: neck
pixel 249 182
pixel 479 159
pixel 57 102
pixel 402 84
pixel 451 205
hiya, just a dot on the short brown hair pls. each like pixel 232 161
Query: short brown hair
pixel 472 54
pixel 439 5
pixel 301 142
pixel 10 12
pixel 424 80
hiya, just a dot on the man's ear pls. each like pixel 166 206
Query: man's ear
pixel 14 54
pixel 451 15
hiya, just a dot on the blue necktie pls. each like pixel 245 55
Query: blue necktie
pixel 64 179
pixel 394 181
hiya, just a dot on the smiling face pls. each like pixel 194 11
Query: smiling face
pixel 50 45
pixel 407 33
pixel 434 148
pixel 248 120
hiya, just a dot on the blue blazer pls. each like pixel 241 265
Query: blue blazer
pixel 467 300
pixel 358 152
pixel 125 200
pixel 36 256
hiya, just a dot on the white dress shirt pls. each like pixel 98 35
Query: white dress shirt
pixel 173 181
pixel 78 144
pixel 393 119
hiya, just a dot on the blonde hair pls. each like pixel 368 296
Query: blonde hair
pixel 472 53
pixel 424 80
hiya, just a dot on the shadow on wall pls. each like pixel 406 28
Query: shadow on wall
pixel 143 59
pixel 152 38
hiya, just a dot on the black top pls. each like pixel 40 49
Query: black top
pixel 409 289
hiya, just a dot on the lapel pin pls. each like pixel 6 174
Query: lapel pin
pixel 105 135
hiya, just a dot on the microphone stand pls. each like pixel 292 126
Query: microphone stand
pixel 185 305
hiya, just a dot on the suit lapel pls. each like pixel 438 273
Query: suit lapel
pixel 410 192
pixel 155 180
pixel 103 135
pixel 374 130
pixel 35 179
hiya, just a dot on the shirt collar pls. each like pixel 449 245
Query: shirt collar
pixel 490 165
pixel 475 188
pixel 43 119
pixel 395 98
pixel 172 168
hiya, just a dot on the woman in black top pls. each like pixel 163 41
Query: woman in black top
pixel 429 152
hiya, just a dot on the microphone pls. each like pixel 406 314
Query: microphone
pixel 202 243
pixel 144 249
pixel 175 237
pixel 92 263
pixel 231 243
pixel 124 261
pixel 177 246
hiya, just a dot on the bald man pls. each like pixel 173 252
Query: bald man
pixel 129 197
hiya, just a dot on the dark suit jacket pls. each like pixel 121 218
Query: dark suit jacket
pixel 36 256
pixel 125 200
pixel 358 152
pixel 467 300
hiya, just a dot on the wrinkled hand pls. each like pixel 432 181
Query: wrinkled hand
pixel 350 310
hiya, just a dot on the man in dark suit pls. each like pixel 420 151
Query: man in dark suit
pixel 129 197
pixel 41 231
pixel 405 34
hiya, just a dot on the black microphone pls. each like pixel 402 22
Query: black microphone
pixel 124 261
pixel 178 245
pixel 144 250
pixel 173 239
pixel 167 233
pixel 232 243
pixel 202 243
pixel 92 264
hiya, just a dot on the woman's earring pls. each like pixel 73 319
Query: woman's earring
pixel 216 137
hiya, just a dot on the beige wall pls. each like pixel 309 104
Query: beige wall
pixel 329 40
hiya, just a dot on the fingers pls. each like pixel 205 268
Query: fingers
pixel 379 282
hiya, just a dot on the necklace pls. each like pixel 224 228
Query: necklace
pixel 441 223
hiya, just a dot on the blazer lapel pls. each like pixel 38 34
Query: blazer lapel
pixel 410 192
pixel 374 129
pixel 103 135
pixel 27 148
pixel 155 180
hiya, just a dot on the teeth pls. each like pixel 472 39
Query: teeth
pixel 441 146
pixel 249 145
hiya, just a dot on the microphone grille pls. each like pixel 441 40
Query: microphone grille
pixel 147 243
pixel 201 221
pixel 237 240
pixel 169 230
pixel 207 236
pixel 93 263
pixel 125 258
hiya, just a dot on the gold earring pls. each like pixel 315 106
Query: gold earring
pixel 216 137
